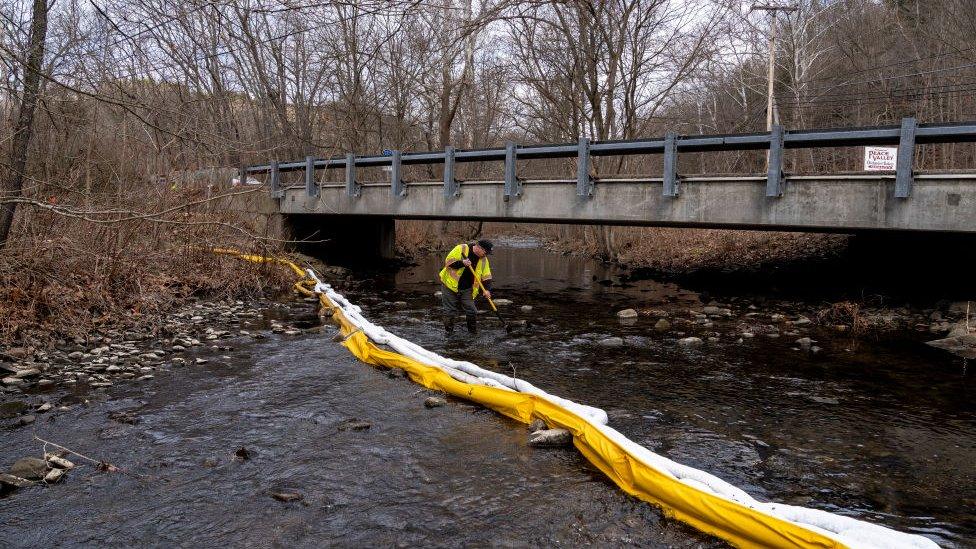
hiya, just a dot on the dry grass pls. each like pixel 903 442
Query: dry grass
pixel 62 276
pixel 845 313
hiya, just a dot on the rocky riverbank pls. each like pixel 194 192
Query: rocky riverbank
pixel 33 380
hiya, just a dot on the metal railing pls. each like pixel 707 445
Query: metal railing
pixel 909 134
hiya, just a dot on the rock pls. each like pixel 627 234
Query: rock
pixel 12 381
pixel 526 308
pixel 611 342
pixel 113 369
pixel 12 481
pixel 42 383
pixel 12 408
pixel 435 402
pixel 537 425
pixel 242 454
pixel 801 321
pixel 959 308
pixel 690 342
pixel 662 325
pixel 804 343
pixel 26 420
pixel 503 302
pixel 627 313
pixel 400 304
pixel 292 332
pixel 129 418
pixel 31 468
pixel 287 497
pixel 54 475
pixel 17 353
pixel 550 438
pixel 962 346
pixel 354 425
pixel 76 355
pixel 55 460
pixel 748 335
pixel 959 329
pixel 438 293
pixel 824 400
pixel 44 407
pixel 201 361
pixel 27 372
pixel 717 311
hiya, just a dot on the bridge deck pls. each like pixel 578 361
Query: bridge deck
pixel 840 203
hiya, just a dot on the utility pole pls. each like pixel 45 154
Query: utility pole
pixel 774 11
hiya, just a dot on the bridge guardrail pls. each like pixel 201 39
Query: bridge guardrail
pixel 907 135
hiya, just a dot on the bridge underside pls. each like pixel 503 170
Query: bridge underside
pixel 847 204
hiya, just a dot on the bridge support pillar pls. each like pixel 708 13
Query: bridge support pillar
pixel 341 238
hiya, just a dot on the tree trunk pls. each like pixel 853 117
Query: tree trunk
pixel 25 120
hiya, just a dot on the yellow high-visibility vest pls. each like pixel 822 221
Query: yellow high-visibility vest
pixel 451 276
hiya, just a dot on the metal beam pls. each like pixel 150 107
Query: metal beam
pixel 906 158
pixel 774 176
pixel 352 188
pixel 670 164
pixel 452 189
pixel 311 186
pixel 397 188
pixel 276 191
pixel 584 181
pixel 513 187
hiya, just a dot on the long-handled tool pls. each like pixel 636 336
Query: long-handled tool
pixel 477 280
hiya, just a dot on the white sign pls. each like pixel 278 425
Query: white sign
pixel 880 159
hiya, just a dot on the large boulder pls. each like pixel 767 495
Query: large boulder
pixel 31 468
pixel 12 408
pixel 963 346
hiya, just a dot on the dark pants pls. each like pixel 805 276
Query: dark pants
pixel 458 302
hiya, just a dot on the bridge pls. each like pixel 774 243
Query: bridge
pixel 899 200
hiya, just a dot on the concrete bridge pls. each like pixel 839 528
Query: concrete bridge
pixel 901 200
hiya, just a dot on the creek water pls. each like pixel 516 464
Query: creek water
pixel 882 430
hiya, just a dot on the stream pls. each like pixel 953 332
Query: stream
pixel 882 430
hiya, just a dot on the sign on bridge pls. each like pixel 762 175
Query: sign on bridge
pixel 880 159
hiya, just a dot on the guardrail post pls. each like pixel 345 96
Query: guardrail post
pixel 774 175
pixel 276 191
pixel 584 181
pixel 451 186
pixel 513 187
pixel 670 164
pixel 311 187
pixel 396 180
pixel 906 158
pixel 352 188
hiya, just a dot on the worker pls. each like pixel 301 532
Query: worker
pixel 459 285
